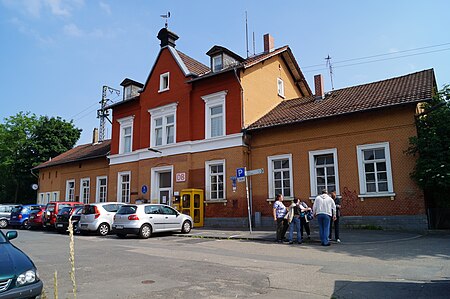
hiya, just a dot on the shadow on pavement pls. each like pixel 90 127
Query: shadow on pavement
pixel 380 289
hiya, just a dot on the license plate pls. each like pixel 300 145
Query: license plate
pixel 119 226
pixel 84 225
pixel 59 225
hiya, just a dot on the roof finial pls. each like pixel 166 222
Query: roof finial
pixel 166 17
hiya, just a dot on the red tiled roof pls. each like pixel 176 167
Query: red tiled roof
pixel 80 153
pixel 265 55
pixel 411 88
pixel 193 65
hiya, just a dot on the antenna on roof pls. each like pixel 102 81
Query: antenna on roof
pixel 254 43
pixel 246 33
pixel 330 68
pixel 166 17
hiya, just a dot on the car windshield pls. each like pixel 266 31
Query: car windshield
pixel 65 211
pixel 2 237
pixel 17 209
pixel 35 208
pixel 125 210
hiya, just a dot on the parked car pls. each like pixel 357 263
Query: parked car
pixel 20 215
pixel 35 220
pixel 145 219
pixel 62 219
pixel 5 214
pixel 98 217
pixel 18 274
pixel 52 209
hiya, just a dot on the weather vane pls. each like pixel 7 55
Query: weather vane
pixel 166 16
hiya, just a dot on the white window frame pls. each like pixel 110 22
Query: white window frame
pixel 163 112
pixel 126 122
pixel 211 101
pixel 312 169
pixel 127 92
pixel 55 196
pixel 270 176
pixel 119 186
pixel 97 192
pixel 208 165
pixel 161 82
pixel 41 198
pixel 83 188
pixel 68 193
pixel 155 189
pixel 214 58
pixel 361 170
pixel 280 87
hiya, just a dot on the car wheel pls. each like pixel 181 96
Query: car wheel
pixel 145 232
pixel 3 223
pixel 121 236
pixel 186 228
pixel 26 225
pixel 103 229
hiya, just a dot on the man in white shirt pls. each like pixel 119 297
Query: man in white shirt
pixel 324 209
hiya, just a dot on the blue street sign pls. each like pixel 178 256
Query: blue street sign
pixel 144 189
pixel 240 172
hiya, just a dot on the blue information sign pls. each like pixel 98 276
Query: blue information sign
pixel 144 189
pixel 240 172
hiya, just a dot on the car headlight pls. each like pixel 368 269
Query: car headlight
pixel 27 277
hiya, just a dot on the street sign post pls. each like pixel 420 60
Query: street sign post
pixel 255 171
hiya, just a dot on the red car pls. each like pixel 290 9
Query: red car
pixel 35 220
pixel 52 209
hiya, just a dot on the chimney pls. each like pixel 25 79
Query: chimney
pixel 95 136
pixel 318 85
pixel 269 43
pixel 167 37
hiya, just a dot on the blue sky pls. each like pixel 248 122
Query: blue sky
pixel 57 54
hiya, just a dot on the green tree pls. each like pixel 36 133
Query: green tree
pixel 26 141
pixel 432 148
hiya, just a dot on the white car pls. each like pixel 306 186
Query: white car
pixel 98 217
pixel 145 219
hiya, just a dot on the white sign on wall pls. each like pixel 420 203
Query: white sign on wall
pixel 180 177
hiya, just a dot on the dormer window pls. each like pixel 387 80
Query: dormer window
pixel 217 63
pixel 127 92
pixel 131 88
pixel 164 82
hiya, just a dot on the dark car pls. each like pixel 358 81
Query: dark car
pixel 52 209
pixel 35 220
pixel 20 215
pixel 18 275
pixel 62 219
pixel 5 214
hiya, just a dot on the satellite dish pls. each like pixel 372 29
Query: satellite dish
pixel 34 186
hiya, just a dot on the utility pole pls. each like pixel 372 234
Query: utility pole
pixel 103 112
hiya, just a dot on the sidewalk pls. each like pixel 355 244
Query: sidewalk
pixel 347 236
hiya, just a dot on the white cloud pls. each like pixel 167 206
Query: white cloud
pixel 35 8
pixel 24 29
pixel 73 30
pixel 57 8
pixel 105 7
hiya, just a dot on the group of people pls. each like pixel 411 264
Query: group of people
pixel 326 209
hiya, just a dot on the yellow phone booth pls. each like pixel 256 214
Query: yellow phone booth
pixel 191 204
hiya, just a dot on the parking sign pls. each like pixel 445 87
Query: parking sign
pixel 240 172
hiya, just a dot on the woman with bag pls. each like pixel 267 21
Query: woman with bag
pixel 305 217
pixel 294 221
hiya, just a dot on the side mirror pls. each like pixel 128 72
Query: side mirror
pixel 11 235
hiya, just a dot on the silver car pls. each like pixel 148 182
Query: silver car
pixel 98 217
pixel 5 214
pixel 145 219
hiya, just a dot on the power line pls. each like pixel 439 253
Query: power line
pixel 379 55
pixel 376 60
pixel 84 110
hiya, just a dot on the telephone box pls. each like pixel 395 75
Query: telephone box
pixel 191 203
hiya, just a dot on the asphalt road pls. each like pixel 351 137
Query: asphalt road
pixel 171 266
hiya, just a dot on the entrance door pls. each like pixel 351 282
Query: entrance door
pixel 165 187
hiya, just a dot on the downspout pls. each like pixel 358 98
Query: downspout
pixel 37 193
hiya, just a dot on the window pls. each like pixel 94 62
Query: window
pixel 127 92
pixel 55 196
pixel 163 120
pixel 126 135
pixel 102 189
pixel 280 85
pixel 41 198
pixel 215 180
pixel 280 175
pixel 164 82
pixel 215 114
pixel 70 190
pixel 374 168
pixel 85 190
pixel 123 187
pixel 217 63
pixel 323 169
